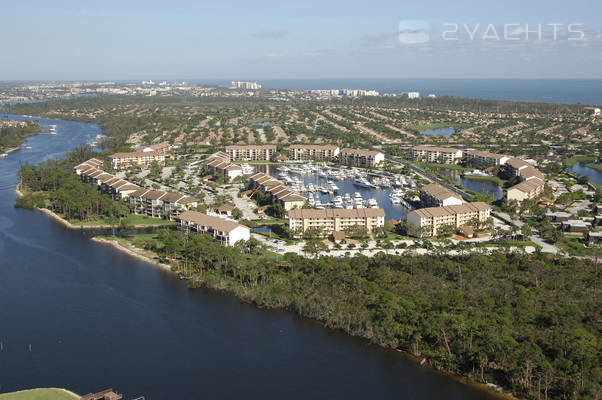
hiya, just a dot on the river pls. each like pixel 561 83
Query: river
pixel 97 318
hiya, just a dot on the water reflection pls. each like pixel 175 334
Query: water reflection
pixel 484 187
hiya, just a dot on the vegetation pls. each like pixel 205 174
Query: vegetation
pixel 528 323
pixel 13 136
pixel 53 185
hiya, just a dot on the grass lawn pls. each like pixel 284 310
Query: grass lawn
pixel 427 166
pixel 130 219
pixel 569 162
pixel 256 223
pixel 38 394
pixel 574 247
pixel 493 179
pixel 594 166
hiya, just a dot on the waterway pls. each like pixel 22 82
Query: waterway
pixel 582 169
pixel 97 318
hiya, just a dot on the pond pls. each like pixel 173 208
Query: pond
pixel 447 131
pixel 479 186
pixel 262 124
pixel 582 169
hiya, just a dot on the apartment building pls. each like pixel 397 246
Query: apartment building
pixel 361 158
pixel 434 154
pixel 226 232
pixel 161 148
pixel 435 195
pixel 486 158
pixel 335 219
pixel 514 166
pixel 526 190
pixel 532 180
pixel 287 197
pixel 160 204
pixel 428 221
pixel 90 172
pixel 137 158
pixel 251 152
pixel 218 165
pixel 313 152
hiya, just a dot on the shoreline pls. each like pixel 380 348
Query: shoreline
pixel 115 244
pixel 69 225
pixel 137 253
pixel 464 380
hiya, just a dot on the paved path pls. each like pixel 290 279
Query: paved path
pixel 243 205
pixel 545 247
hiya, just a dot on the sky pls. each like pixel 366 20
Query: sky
pixel 235 40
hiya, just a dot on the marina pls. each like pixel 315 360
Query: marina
pixel 326 186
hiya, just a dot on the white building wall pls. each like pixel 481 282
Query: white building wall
pixel 239 233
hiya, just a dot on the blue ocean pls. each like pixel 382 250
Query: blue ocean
pixel 566 91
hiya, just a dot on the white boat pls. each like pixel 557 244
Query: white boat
pixel 332 186
pixel 337 202
pixel 396 200
pixel 362 182
pixel 247 169
pixel 3 155
pixel 372 203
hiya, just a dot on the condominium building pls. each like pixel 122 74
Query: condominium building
pixel 434 154
pixel 435 195
pixel 251 152
pixel 313 152
pixel 160 204
pixel 486 158
pixel 218 165
pixel 335 219
pixel 138 158
pixel 532 180
pixel 428 221
pixel 161 148
pixel 246 85
pixel 526 190
pixel 287 197
pixel 514 166
pixel 226 232
pixel 361 158
pixel 90 172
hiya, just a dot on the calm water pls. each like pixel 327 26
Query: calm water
pixel 478 186
pixel 581 169
pixel 392 211
pixel 97 318
pixel 439 131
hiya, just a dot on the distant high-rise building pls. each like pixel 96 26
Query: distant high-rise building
pixel 246 85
